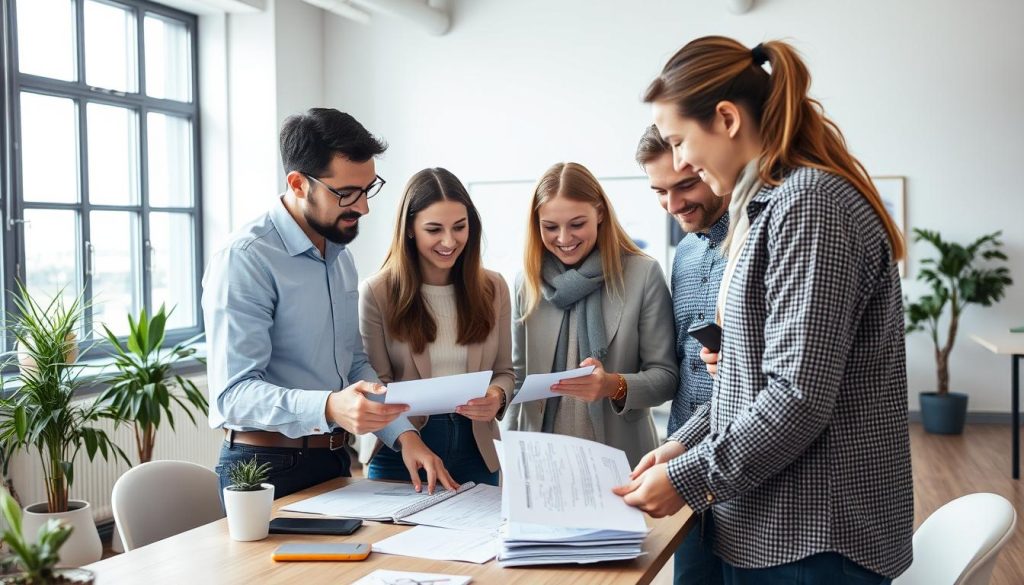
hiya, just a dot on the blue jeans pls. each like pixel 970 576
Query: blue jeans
pixel 291 470
pixel 695 562
pixel 821 569
pixel 450 437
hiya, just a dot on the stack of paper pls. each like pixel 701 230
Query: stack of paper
pixel 560 506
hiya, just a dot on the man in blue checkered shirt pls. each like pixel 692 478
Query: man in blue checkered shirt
pixel 696 274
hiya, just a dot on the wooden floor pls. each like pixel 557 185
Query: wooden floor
pixel 947 467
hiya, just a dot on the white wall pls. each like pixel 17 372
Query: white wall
pixel 921 89
pixel 930 90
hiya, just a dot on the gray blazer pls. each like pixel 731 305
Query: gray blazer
pixel 641 347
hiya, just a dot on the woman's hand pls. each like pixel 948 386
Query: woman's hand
pixel 483 409
pixel 710 361
pixel 663 454
pixel 416 455
pixel 599 384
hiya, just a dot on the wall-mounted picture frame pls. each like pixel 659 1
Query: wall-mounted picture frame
pixel 892 189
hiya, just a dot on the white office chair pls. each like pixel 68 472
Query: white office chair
pixel 958 544
pixel 162 498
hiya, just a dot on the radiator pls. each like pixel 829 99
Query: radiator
pixel 94 480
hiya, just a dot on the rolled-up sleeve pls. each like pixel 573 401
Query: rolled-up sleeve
pixel 239 299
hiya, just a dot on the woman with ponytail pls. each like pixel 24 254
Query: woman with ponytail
pixel 802 457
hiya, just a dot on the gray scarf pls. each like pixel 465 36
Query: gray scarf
pixel 579 289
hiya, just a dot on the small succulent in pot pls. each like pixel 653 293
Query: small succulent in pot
pixel 248 476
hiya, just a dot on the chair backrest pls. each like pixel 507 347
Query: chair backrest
pixel 958 544
pixel 162 498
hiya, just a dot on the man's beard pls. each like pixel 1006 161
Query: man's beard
pixel 332 232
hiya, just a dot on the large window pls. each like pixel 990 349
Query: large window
pixel 101 169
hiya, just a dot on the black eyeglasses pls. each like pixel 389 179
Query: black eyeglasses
pixel 349 196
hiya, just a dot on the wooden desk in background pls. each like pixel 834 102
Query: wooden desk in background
pixel 1011 344
pixel 207 555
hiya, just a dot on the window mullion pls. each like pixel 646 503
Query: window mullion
pixel 85 219
pixel 147 250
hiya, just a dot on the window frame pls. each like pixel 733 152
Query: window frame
pixel 13 204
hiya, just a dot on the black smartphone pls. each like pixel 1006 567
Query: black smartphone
pixel 708 334
pixel 334 526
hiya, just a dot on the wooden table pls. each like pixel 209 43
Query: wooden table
pixel 1011 344
pixel 207 555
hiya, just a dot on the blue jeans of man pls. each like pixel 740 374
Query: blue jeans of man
pixel 450 437
pixel 291 470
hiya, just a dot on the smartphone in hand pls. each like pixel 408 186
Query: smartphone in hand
pixel 708 334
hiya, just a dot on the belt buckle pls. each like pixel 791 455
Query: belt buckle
pixel 341 441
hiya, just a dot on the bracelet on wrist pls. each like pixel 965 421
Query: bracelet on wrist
pixel 620 391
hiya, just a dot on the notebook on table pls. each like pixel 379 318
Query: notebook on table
pixel 471 507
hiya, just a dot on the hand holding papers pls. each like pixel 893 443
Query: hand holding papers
pixel 561 508
pixel 438 395
pixel 538 386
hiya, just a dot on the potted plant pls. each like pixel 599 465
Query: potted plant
pixel 960 276
pixel 248 501
pixel 142 389
pixel 43 414
pixel 34 562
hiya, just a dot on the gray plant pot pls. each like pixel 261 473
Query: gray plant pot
pixel 944 415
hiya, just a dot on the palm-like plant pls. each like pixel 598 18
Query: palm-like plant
pixel 36 559
pixel 957 279
pixel 42 412
pixel 142 389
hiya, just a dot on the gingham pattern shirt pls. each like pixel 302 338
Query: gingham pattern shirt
pixel 696 273
pixel 804 446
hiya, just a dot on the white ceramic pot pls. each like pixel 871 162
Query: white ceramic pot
pixel 249 512
pixel 83 546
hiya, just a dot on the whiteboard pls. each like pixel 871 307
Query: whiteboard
pixel 504 208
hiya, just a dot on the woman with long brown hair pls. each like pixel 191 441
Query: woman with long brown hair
pixel 802 456
pixel 431 311
pixel 589 296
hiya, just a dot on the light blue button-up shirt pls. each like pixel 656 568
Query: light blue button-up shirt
pixel 282 330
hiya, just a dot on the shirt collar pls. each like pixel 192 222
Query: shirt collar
pixel 718 231
pixel 295 240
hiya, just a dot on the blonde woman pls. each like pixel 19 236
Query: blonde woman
pixel 434 311
pixel 589 296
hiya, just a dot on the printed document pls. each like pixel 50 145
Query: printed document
pixel 557 480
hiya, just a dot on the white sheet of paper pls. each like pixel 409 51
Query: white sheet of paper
pixel 538 386
pixel 557 480
pixel 367 499
pixel 499 448
pixel 477 509
pixel 386 577
pixel 438 395
pixel 441 544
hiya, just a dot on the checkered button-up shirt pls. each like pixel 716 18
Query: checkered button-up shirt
pixel 804 446
pixel 696 273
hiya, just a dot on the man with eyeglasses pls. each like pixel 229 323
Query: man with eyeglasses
pixel 288 376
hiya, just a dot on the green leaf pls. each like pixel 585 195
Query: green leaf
pixel 156 329
pixel 11 511
pixel 69 471
pixel 20 423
